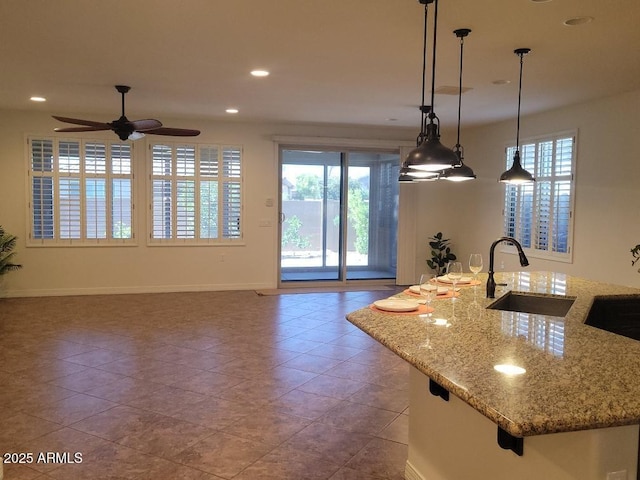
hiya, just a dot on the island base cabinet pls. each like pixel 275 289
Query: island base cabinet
pixel 449 440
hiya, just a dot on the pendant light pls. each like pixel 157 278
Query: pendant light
pixel 517 175
pixel 430 154
pixel 410 175
pixel 462 172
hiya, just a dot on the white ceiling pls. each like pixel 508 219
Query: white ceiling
pixel 336 61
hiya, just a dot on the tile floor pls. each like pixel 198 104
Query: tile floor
pixel 200 386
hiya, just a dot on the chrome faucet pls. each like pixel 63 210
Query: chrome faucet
pixel 491 283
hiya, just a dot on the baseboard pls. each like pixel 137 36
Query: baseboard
pixel 65 292
pixel 410 473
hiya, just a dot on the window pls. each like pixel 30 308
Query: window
pixel 540 215
pixel 196 193
pixel 81 192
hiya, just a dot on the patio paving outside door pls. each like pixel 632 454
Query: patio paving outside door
pixel 338 215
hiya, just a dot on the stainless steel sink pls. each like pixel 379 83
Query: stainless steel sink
pixel 556 306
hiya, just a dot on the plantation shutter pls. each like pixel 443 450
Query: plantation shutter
pixel 539 215
pixel 42 192
pixel 196 193
pixel 231 193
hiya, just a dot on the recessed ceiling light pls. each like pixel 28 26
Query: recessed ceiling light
pixel 540 1
pixel 231 110
pixel 259 73
pixel 392 119
pixel 575 21
pixel 36 98
pixel 501 82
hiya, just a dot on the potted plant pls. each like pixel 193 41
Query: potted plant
pixel 7 244
pixel 441 253
pixel 635 252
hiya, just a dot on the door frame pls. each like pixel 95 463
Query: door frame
pixel 326 143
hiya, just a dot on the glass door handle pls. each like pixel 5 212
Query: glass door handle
pixel 283 217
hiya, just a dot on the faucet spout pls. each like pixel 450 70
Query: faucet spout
pixel 491 283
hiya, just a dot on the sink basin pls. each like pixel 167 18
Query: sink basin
pixel 555 306
pixel 620 314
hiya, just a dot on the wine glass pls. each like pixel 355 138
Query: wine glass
pixel 428 290
pixel 475 264
pixel 454 272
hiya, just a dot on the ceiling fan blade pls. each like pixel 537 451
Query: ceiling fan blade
pixel 147 124
pixel 81 129
pixel 87 123
pixel 174 132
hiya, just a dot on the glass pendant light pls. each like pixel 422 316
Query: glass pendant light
pixel 430 155
pixel 517 175
pixel 462 172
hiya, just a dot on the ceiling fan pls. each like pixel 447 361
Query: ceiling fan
pixel 125 128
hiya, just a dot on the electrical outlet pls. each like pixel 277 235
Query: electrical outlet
pixel 619 475
pixel 221 257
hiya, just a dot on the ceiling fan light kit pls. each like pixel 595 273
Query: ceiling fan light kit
pixel 124 128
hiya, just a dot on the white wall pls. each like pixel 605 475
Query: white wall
pixel 607 222
pixel 142 268
pixel 606 216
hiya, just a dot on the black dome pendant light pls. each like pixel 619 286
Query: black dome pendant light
pixel 517 175
pixel 462 172
pixel 430 154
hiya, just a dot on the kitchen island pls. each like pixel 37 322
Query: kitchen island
pixel 561 397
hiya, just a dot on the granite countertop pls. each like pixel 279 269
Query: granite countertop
pixel 577 377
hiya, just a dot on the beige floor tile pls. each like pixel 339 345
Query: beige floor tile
pixel 397 430
pixel 163 469
pixel 312 363
pixel 222 454
pixel 124 390
pixel 346 473
pixel 166 400
pixel 117 422
pixel 268 427
pixel 382 397
pixel 65 440
pixel 358 418
pixel 86 379
pixel 108 462
pixel 21 428
pixel 216 413
pixel 207 383
pixel 71 409
pixel 165 437
pixel 96 357
pixel 20 472
pixel 326 385
pixel 285 464
pixel 383 458
pixel 334 444
pixel 176 386
pixel 304 404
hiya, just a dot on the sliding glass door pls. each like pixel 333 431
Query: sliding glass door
pixel 338 215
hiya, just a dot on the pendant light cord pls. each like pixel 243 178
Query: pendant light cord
pixel 433 61
pixel 460 91
pixel 521 54
pixel 424 74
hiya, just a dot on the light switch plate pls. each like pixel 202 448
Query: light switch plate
pixel 619 475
